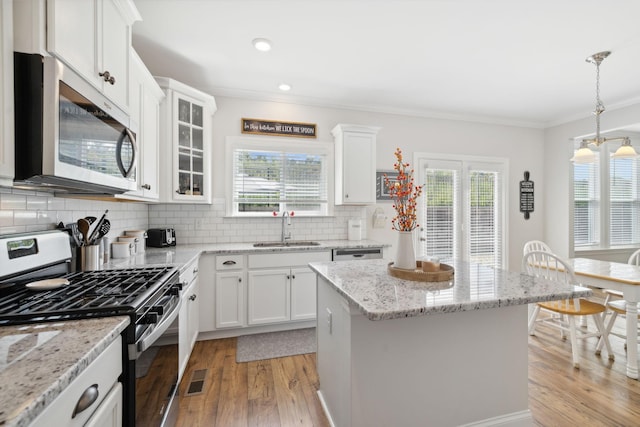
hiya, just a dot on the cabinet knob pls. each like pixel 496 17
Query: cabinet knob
pixel 239 279
pixel 146 186
pixel 346 196
pixel 193 297
pixel 108 77
pixel 293 277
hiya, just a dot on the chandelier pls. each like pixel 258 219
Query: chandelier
pixel 584 153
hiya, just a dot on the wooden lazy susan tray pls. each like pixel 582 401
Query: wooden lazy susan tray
pixel 444 274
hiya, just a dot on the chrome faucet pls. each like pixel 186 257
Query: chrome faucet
pixel 286 235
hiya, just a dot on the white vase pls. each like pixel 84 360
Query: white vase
pixel 405 252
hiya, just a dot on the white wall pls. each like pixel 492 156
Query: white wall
pixel 522 146
pixel 558 198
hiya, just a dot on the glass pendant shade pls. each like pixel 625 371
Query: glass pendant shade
pixel 584 155
pixel 626 151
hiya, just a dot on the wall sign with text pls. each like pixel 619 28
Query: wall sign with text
pixel 268 127
pixel 526 195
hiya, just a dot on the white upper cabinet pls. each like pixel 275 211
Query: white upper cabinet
pixel 185 143
pixel 144 111
pixel 94 38
pixel 355 164
pixel 91 36
pixel 6 93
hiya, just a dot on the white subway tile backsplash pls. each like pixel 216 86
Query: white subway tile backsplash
pixel 13 202
pixel 22 211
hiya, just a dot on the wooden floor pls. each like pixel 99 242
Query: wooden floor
pixel 282 392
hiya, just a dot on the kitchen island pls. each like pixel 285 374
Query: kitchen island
pixel 398 352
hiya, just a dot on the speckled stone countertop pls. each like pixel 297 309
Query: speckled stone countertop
pixel 183 254
pixel 367 286
pixel 38 361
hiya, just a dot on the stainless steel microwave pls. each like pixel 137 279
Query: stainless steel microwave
pixel 69 136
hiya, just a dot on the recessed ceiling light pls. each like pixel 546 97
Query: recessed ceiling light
pixel 284 87
pixel 263 45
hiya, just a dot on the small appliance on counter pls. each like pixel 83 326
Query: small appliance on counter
pixel 161 237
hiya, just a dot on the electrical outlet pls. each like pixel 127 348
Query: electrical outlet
pixel 330 321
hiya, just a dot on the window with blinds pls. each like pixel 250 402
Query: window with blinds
pixel 586 204
pixel 462 212
pixel 624 209
pixel 277 179
pixel 606 201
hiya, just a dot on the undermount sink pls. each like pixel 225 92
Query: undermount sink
pixel 285 244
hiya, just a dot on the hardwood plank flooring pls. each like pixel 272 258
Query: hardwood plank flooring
pixel 282 392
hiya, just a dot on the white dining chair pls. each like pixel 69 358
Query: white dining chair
pixel 535 245
pixel 551 267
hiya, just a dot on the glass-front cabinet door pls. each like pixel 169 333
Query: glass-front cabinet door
pixel 185 140
pixel 190 149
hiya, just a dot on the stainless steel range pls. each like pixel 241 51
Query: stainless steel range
pixel 36 286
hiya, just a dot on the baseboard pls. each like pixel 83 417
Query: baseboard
pixel 514 419
pixel 236 332
pixel 325 408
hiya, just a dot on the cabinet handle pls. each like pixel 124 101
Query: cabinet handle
pixel 193 297
pixel 146 186
pixel 195 270
pixel 88 397
pixel 108 77
pixel 230 262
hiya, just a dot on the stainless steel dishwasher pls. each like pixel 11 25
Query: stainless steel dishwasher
pixel 347 254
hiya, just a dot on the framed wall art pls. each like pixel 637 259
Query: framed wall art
pixel 381 190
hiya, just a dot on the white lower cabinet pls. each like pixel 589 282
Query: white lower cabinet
pixel 109 413
pixel 282 288
pixel 230 299
pixel 188 316
pixel 257 290
pixel 98 386
pixel 206 283
pixel 268 296
pixel 303 294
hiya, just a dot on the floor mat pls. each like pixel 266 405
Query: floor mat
pixel 276 344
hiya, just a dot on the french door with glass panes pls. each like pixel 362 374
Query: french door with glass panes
pixel 462 209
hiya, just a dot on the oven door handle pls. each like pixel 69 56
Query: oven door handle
pixel 157 332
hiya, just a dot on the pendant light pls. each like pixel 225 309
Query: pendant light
pixel 584 153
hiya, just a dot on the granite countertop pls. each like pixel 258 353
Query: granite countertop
pixel 38 361
pixel 32 376
pixel 367 286
pixel 181 255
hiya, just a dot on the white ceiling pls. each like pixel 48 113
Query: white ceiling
pixel 518 62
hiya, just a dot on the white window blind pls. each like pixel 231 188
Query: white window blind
pixel 441 217
pixel 462 212
pixel 586 204
pixel 606 201
pixel 268 180
pixel 484 210
pixel 624 209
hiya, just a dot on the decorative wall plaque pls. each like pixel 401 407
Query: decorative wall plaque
pixel 269 127
pixel 526 195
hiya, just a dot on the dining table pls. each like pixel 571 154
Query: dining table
pixel 622 277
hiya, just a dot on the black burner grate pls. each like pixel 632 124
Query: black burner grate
pixel 92 293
